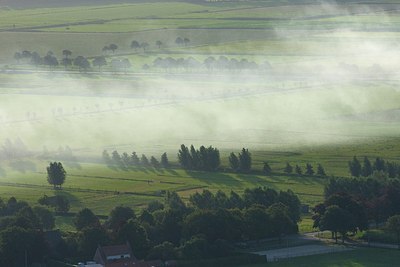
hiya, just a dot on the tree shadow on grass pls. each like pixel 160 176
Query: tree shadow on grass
pixel 23 166
pixel 215 178
pixel 74 201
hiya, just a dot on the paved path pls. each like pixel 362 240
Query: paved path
pixel 306 250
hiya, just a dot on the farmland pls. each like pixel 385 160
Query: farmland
pixel 324 89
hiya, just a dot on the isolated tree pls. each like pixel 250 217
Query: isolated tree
pixel 113 47
pixel 86 218
pixel 99 62
pixel 135 45
pixel 288 168
pixel 321 170
pixel 56 174
pixel 234 162
pixel 366 168
pixel 298 170
pixel 245 160
pixel 159 44
pixel 267 169
pixel 355 167
pixel 309 169
pixel 393 225
pixel 164 160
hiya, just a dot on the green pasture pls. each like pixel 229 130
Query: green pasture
pixel 368 257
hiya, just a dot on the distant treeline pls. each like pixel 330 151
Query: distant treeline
pixel 133 160
pixel 379 167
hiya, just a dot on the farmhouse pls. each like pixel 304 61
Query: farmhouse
pixel 119 256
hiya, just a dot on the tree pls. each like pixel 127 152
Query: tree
pixel 86 219
pixel 267 169
pixel 355 167
pixel 154 162
pixel 99 62
pixel 298 170
pixel 288 168
pixel 66 53
pixel 186 41
pixel 234 162
pixel 159 44
pixel 164 160
pixel 113 47
pixel 135 45
pixel 56 174
pixel 144 161
pixel 135 159
pixel 320 170
pixel 379 164
pixel 144 45
pixel 119 216
pixel 245 160
pixel 82 63
pixel 337 220
pixel 179 41
pixel 45 217
pixel 309 169
pixel 393 225
pixel 136 235
pixel 366 168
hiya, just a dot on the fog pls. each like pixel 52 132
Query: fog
pixel 324 87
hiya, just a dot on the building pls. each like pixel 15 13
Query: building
pixel 121 256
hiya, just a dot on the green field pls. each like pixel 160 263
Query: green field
pixel 332 92
pixel 359 257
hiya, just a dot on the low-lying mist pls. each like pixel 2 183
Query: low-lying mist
pixel 325 87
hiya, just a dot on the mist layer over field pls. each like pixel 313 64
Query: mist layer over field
pixel 324 87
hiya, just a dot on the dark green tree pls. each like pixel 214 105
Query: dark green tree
pixel 164 160
pixel 119 216
pixel 298 170
pixel 366 168
pixel 288 168
pixel 355 167
pixel 86 219
pixel 234 162
pixel 56 174
pixel 245 160
pixel 309 169
pixel 320 170
pixel 393 225
pixel 99 62
pixel 267 169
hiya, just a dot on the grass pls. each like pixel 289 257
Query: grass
pixel 356 258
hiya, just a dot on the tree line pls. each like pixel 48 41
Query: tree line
pixel 133 160
pixel 379 167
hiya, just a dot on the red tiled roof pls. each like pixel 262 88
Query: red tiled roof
pixel 116 250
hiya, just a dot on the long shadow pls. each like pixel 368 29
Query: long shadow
pixel 214 178
pixel 72 198
pixel 172 172
pixel 23 166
